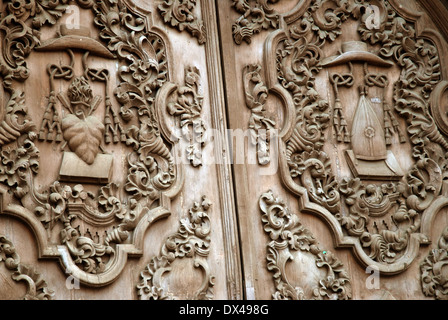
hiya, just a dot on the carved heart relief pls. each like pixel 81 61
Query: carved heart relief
pixel 83 136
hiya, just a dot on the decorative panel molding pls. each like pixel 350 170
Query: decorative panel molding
pixel 89 123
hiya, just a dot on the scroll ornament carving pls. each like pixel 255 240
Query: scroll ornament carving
pixel 260 124
pixel 120 211
pixel 37 287
pixel 187 108
pixel 433 270
pixel 179 13
pixel 288 235
pixel 191 242
pixel 256 16
pixel 389 215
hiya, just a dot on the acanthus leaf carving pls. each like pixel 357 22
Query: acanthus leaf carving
pixel 188 108
pixel 256 16
pixel 260 124
pixel 179 13
pixel 433 270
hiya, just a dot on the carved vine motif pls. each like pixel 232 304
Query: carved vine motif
pixel 191 242
pixel 434 278
pixel 179 13
pixel 385 214
pixel 288 235
pixel 187 108
pixel 37 287
pixel 259 124
pixel 256 16
pixel 120 210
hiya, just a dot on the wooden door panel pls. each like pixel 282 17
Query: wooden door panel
pixel 331 93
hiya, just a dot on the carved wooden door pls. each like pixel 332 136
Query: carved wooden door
pixel 231 149
pixel 343 182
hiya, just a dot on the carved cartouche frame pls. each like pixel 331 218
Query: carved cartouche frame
pixel 124 209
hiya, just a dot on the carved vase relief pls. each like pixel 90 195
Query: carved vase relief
pixel 358 142
pixel 109 172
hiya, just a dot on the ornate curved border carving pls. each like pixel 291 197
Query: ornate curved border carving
pixel 293 59
pixel 37 287
pixel 191 242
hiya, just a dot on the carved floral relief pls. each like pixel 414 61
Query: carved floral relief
pixel 180 14
pixel 433 269
pixel 360 146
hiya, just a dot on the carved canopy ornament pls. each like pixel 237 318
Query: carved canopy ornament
pixel 83 159
pixel 359 146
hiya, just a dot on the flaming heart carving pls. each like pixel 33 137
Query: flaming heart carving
pixel 83 136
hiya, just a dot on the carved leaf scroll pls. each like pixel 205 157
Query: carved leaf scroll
pixel 434 277
pixel 288 235
pixel 179 13
pixel 37 287
pixel 256 16
pixel 380 208
pixel 188 107
pixel 260 124
pixel 90 223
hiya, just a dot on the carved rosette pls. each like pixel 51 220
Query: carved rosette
pixel 37 287
pixel 291 241
pixel 433 269
pixel 189 246
pixel 101 111
pixel 380 203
